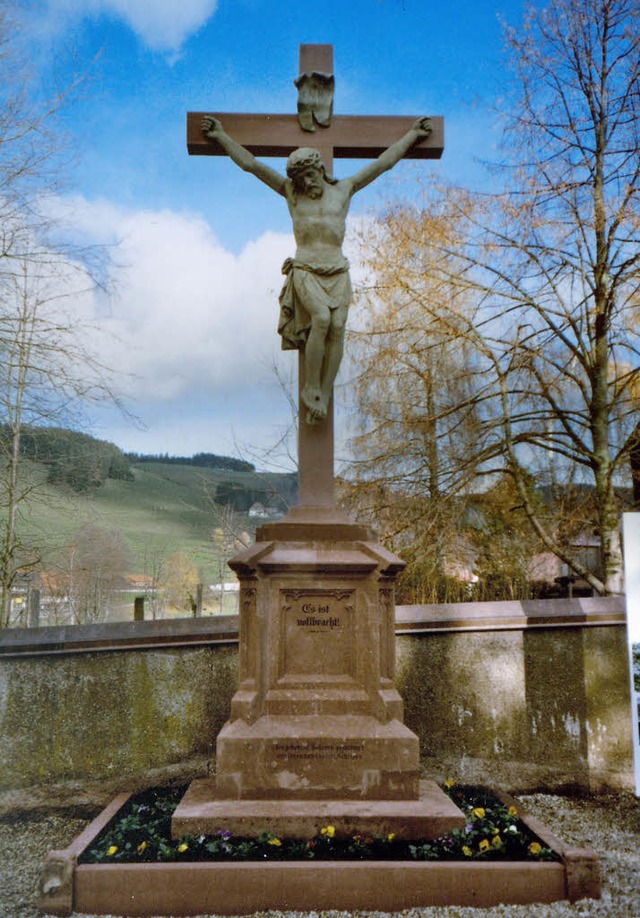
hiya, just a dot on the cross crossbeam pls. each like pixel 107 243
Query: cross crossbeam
pixel 349 136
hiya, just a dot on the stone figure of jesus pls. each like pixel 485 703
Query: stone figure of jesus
pixel 317 290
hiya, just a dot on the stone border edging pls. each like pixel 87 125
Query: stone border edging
pixel 242 888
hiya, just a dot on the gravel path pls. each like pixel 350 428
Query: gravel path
pixel 609 824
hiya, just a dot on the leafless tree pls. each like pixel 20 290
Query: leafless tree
pixel 90 569
pixel 46 368
pixel 572 245
pixel 551 266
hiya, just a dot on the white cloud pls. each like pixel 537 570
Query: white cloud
pixel 163 25
pixel 186 316
pixel 190 328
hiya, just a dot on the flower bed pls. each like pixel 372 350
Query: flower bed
pixel 141 833
pixel 126 863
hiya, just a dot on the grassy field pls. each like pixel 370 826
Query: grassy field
pixel 166 508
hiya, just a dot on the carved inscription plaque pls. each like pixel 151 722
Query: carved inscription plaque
pixel 320 751
pixel 317 632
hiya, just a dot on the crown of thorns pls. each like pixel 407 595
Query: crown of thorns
pixel 301 159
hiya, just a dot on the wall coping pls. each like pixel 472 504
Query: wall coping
pixel 223 629
pixel 512 616
pixel 110 636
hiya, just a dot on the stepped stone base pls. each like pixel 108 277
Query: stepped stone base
pixel 315 734
pixel 202 812
pixel 349 757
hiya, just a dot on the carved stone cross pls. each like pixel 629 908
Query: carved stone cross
pixel 346 137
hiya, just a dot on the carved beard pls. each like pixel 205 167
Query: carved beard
pixel 312 191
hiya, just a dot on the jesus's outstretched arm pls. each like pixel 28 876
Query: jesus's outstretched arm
pixel 392 155
pixel 212 128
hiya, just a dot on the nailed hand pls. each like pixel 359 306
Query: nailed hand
pixel 423 127
pixel 210 126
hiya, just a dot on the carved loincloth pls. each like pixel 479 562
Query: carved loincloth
pixel 324 284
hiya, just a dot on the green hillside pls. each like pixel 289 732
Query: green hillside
pixel 159 507
pixel 170 507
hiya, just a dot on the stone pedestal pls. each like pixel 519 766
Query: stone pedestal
pixel 316 719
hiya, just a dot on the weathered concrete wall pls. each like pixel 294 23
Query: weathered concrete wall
pixel 110 715
pixel 531 708
pixel 88 710
pixel 518 694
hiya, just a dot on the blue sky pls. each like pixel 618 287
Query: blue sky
pixel 198 244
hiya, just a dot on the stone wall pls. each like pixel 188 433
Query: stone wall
pixel 89 710
pixel 524 695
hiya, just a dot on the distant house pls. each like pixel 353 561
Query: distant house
pixel 226 586
pixel 136 582
pixel 52 583
pixel 459 570
pixel 546 568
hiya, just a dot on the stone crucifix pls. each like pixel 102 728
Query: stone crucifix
pixel 317 291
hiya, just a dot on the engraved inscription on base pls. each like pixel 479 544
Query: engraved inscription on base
pixel 320 751
pixel 317 632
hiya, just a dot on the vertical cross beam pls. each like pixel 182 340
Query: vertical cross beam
pixel 316 482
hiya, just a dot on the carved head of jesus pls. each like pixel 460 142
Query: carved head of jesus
pixel 307 172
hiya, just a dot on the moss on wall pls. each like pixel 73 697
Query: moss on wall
pixel 464 690
pixel 607 702
pixel 555 695
pixel 110 714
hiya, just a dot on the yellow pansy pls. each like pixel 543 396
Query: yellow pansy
pixel 183 847
pixel 535 848
pixel 467 851
pixel 478 812
pixel 112 850
pixel 391 836
pixel 274 841
pixel 496 841
pixel 512 811
pixel 328 831
pixel 484 845
pixel 141 847
pixel 449 783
